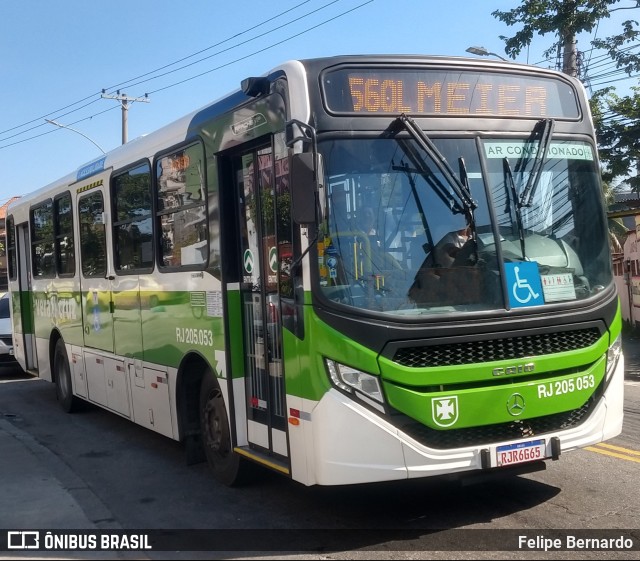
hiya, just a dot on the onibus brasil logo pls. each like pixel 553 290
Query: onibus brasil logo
pixel 444 410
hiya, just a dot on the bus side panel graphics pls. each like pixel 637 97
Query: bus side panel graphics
pixel 176 322
pixel 55 309
pixel 127 322
pixel 97 319
pixel 59 310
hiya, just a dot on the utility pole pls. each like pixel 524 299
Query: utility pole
pixel 124 103
pixel 570 54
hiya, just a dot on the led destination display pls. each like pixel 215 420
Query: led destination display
pixel 434 92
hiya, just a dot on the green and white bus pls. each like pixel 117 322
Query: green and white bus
pixel 214 281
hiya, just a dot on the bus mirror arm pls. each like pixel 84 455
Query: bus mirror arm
pixel 296 263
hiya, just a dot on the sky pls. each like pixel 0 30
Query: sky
pixel 57 57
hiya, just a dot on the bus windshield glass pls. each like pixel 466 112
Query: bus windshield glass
pixel 401 236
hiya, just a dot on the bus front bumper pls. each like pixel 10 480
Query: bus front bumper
pixel 351 444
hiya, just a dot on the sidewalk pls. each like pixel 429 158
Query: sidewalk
pixel 37 489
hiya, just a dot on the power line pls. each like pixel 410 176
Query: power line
pixel 211 70
pixel 57 130
pixel 49 114
pixel 265 49
pixel 58 115
pixel 618 80
pixel 126 83
pixel 129 85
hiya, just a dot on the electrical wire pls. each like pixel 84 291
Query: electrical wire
pixel 265 49
pixel 127 82
pixel 244 43
pixel 56 112
pixel 58 129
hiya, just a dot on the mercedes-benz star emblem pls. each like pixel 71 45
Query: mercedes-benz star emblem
pixel 515 404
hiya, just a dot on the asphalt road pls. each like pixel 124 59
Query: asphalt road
pixel 95 470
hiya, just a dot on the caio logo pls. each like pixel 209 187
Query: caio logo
pixel 515 369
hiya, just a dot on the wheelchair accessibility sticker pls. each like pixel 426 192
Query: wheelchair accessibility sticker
pixel 523 282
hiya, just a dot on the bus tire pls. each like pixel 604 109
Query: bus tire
pixel 62 373
pixel 227 466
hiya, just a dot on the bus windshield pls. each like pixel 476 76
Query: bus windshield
pixel 401 236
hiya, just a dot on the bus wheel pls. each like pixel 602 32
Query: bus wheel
pixel 62 373
pixel 227 466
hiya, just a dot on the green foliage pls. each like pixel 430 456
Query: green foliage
pixel 616 118
pixel 558 17
pixel 618 136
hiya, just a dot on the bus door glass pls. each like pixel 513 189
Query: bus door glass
pixel 261 309
pixel 26 311
pixel 95 283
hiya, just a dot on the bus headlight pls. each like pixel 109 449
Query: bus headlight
pixel 613 355
pixel 353 381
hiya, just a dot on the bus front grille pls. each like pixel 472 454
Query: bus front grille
pixel 474 352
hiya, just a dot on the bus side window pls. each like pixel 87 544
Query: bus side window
pixel 93 251
pixel 181 208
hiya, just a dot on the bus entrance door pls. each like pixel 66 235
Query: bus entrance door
pixel 259 298
pixel 26 348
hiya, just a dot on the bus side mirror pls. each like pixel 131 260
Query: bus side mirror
pixel 304 187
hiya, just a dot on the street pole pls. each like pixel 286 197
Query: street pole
pixel 55 123
pixel 125 101
pixel 481 51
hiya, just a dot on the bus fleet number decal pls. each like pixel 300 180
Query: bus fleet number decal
pixel 560 387
pixel 192 336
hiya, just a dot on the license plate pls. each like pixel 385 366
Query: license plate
pixel 520 453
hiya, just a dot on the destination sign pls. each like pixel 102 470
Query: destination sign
pixel 434 92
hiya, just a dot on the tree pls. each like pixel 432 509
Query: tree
pixel 617 123
pixel 616 118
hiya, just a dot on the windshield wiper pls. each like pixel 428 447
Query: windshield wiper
pixel 471 218
pixel 428 147
pixel 526 197
pixel 516 203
